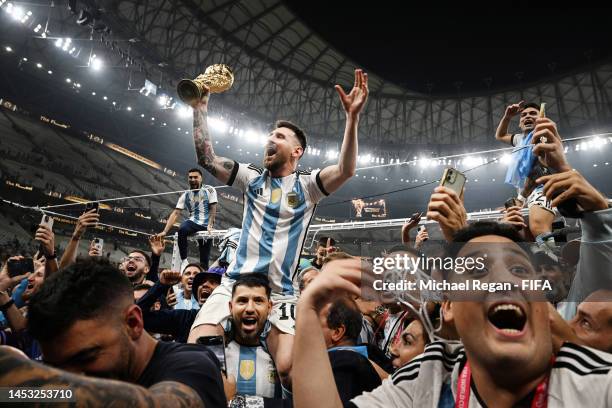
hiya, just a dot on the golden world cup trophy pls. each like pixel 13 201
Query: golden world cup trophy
pixel 217 78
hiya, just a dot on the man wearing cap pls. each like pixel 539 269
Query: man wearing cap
pixel 177 322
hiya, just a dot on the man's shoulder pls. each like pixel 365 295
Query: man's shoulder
pixel 439 356
pixel 583 361
pixel 578 368
pixel 251 166
pixel 179 353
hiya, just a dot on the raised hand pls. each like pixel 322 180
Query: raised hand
pixel 575 186
pixel 446 207
pixel 158 244
pixel 354 102
pixel 512 110
pixel 46 237
pixel 548 145
pixel 168 277
pixel 512 215
pixel 86 220
pixel 6 281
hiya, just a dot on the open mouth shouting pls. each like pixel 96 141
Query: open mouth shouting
pixel 249 324
pixel 270 150
pixel 508 319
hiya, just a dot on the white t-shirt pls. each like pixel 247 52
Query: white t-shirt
pixel 277 213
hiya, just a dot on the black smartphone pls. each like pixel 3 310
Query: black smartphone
pixel 18 267
pixel 216 344
pixel 91 206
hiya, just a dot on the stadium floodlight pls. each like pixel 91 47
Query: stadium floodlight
pixel 49 72
pixel 142 115
pixel 162 100
pixel 67 42
pixel 95 62
pixel 129 108
pixel 473 161
pixel 37 28
pixel 220 125
pixel 25 17
pixel 424 162
pixel 8 49
pixel 38 65
pixel 68 80
pixel 184 111
pixel 15 11
pixel 105 98
pixel 59 43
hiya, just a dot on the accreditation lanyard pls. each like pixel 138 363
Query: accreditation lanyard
pixel 540 399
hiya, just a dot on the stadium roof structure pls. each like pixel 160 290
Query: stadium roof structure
pixel 285 70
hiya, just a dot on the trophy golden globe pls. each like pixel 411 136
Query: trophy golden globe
pixel 217 78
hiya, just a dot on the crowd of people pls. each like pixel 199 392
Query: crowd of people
pixel 262 326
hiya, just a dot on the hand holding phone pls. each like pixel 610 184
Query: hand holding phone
pixel 454 180
pixel 216 344
pixel 17 267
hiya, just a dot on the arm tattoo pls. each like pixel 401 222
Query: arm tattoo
pixel 219 167
pixel 17 371
pixel 203 142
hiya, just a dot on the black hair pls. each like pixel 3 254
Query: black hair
pixel 143 253
pixel 253 280
pixel 196 264
pixel 480 229
pixel 85 290
pixel 299 133
pixel 195 170
pixel 323 241
pixel 344 312
pixel 531 105
pixel 142 286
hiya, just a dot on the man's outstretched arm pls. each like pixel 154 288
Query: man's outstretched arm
pixel 219 167
pixel 501 133
pixel 16 370
pixel 333 177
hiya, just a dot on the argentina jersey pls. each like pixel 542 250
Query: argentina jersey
pixel 276 216
pixel 253 369
pixel 198 203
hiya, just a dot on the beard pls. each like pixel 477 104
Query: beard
pixel 194 186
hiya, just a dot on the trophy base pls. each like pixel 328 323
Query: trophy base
pixel 188 91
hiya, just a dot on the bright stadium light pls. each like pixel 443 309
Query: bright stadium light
pixel 505 159
pixel 67 42
pixel 218 124
pixel 49 72
pixel 129 108
pixel 68 80
pixel 184 111
pixel 8 49
pixel 59 43
pixel 95 62
pixel 37 28
pixel 162 100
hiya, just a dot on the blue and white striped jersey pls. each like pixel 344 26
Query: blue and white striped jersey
pixel 277 213
pixel 253 369
pixel 198 203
